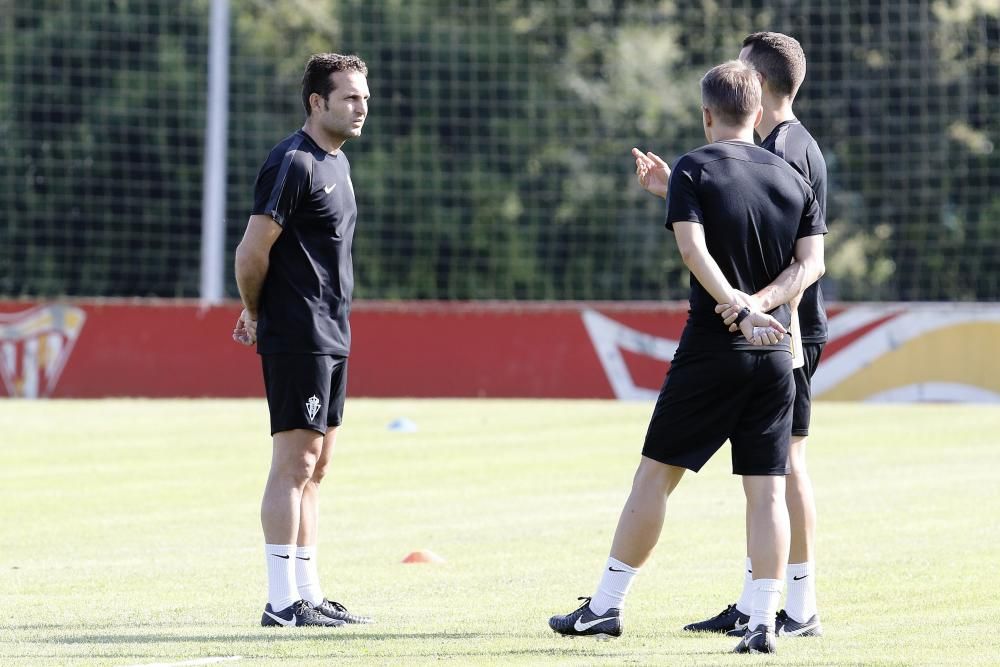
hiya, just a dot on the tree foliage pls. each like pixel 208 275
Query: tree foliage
pixel 495 163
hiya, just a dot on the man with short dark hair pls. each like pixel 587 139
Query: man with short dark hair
pixel 756 215
pixel 295 275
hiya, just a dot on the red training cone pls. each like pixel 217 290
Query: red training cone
pixel 423 556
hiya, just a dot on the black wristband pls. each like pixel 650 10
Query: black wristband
pixel 742 315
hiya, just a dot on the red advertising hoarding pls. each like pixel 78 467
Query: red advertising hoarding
pixel 93 349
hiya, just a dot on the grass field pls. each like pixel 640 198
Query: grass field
pixel 129 535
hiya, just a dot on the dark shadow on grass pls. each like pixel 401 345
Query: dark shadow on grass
pixel 258 634
pixel 625 655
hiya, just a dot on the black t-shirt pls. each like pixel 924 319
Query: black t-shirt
pixel 753 207
pixel 305 301
pixel 792 143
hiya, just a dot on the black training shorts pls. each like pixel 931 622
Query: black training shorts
pixel 802 411
pixel 711 396
pixel 305 390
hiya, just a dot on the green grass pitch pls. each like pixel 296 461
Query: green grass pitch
pixel 129 535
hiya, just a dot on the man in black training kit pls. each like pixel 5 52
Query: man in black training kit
pixel 740 215
pixel 296 276
pixel 781 67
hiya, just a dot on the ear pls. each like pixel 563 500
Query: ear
pixel 759 117
pixel 707 116
pixel 315 102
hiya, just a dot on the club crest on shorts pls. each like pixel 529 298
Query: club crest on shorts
pixel 312 406
pixel 34 347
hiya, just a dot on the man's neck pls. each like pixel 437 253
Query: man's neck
pixel 322 139
pixel 727 133
pixel 774 114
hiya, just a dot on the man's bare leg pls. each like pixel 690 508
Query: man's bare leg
pixel 641 519
pixel 801 504
pixel 801 600
pixel 293 460
pixel 802 523
pixel 638 531
pixel 306 569
pixel 769 539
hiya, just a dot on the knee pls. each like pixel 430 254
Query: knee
pixel 797 461
pixel 299 469
pixel 764 493
pixel 796 470
pixel 319 471
pixel 656 478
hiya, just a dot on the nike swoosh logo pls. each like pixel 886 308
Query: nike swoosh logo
pixel 749 638
pixel 614 570
pixel 782 632
pixel 328 189
pixel 580 627
pixel 280 556
pixel 800 578
pixel 301 558
pixel 281 620
pixel 740 626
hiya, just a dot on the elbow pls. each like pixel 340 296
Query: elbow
pixel 688 254
pixel 240 259
pixel 247 260
pixel 820 269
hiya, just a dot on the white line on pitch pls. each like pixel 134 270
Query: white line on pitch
pixel 191 663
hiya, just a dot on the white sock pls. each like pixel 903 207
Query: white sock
pixel 281 591
pixel 307 575
pixel 615 582
pixel 745 603
pixel 766 598
pixel 801 602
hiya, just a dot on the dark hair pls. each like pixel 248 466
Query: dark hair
pixel 780 59
pixel 319 67
pixel 731 91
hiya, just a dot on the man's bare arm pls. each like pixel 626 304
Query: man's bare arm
pixel 694 251
pixel 252 260
pixel 808 267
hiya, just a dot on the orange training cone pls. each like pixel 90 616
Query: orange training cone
pixel 423 556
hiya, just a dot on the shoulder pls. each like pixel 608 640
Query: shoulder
pixel 804 141
pixel 689 166
pixel 814 154
pixel 800 131
pixel 293 150
pixel 289 162
pixel 757 155
pixel 696 159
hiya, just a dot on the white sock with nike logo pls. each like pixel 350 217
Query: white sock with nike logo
pixel 801 602
pixel 307 575
pixel 745 603
pixel 281 590
pixel 615 582
pixel 766 598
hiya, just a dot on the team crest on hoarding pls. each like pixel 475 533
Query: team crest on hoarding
pixel 34 347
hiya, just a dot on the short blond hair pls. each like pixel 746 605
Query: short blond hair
pixel 731 92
